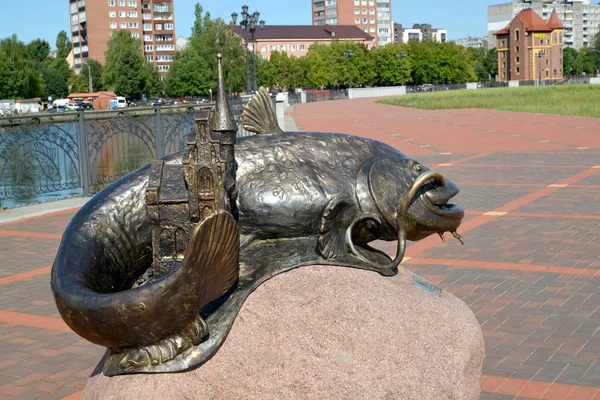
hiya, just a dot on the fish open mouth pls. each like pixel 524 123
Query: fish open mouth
pixel 445 210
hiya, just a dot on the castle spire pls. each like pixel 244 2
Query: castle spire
pixel 223 120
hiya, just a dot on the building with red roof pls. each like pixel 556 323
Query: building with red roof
pixel 530 48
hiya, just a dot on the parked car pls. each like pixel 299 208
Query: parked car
pixel 57 108
pixel 427 87
pixel 84 106
pixel 71 107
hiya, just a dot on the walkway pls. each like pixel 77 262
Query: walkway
pixel 530 267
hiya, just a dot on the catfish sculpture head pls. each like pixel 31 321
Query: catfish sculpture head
pixel 404 200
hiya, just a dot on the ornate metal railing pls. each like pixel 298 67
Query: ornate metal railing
pixel 53 156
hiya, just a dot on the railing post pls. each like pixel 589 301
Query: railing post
pixel 83 154
pixel 159 138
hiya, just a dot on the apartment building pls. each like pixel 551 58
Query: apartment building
pixel 420 33
pixel 151 21
pixel 580 18
pixel 372 16
pixel 473 42
pixel 530 48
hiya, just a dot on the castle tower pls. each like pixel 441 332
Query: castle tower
pixel 222 121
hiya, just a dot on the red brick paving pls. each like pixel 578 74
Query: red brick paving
pixel 530 269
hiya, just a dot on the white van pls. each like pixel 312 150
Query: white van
pixel 121 101
pixel 61 102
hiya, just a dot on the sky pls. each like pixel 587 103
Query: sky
pixel 45 18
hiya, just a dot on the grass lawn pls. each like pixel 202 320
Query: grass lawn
pixel 580 100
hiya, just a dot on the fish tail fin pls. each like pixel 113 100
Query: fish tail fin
pixel 260 116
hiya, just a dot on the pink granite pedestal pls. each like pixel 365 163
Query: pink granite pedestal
pixel 330 333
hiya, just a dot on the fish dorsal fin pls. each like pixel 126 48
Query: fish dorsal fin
pixel 259 115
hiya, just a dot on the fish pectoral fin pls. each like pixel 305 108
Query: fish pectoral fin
pixel 260 116
pixel 332 229
pixel 215 248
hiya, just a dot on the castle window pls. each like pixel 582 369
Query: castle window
pixel 205 181
pixel 166 245
pixel 554 39
pixel 518 70
pixel 180 243
pixel 517 36
pixel 517 59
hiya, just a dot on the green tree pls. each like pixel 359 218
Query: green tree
pixel 38 50
pixel 569 56
pixel 189 75
pixel 63 45
pixel 126 70
pixel 55 85
pixel 9 87
pixel 390 68
pixel 209 37
pixel 80 82
pixel 26 72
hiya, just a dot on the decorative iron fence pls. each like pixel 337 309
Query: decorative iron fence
pixel 47 156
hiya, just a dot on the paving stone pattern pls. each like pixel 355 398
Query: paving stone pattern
pixel 529 270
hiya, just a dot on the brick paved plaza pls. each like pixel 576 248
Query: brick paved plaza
pixel 529 270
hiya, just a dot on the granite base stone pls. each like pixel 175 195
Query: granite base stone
pixel 324 332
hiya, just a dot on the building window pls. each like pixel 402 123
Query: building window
pixel 302 47
pixel 517 49
pixel 541 41
pixel 357 20
pixel 121 3
pixel 517 60
pixel 293 47
pixel 356 2
pixel 150 58
pixel 282 47
pixel 133 25
pixel 504 74
pixel 121 14
pixel 364 11
pixel 503 64
pixel 547 73
pixel 560 38
pixel 113 25
pixel 123 25
pixel 169 27
pixel 148 38
pixel 547 61
pixel 554 40
pixel 148 47
pixel 357 11
pixel 554 72
pixel 273 47
pixel 135 35
pixel 365 20
pixel 147 27
pixel 372 30
pixel 517 35
pixel 132 3
pixel 147 16
pixel 111 3
pixel 518 70
pixel 132 14
pixel 158 27
pixel 372 20
pixel 263 47
pixel 503 43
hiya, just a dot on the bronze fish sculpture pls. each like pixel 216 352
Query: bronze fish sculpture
pixel 303 198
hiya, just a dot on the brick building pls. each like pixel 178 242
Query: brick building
pixel 372 16
pixel 296 39
pixel 151 21
pixel 530 48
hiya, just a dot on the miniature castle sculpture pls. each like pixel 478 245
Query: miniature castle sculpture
pixel 179 199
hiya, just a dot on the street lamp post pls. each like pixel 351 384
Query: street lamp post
pixel 401 56
pixel 90 78
pixel 348 53
pixel 249 23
